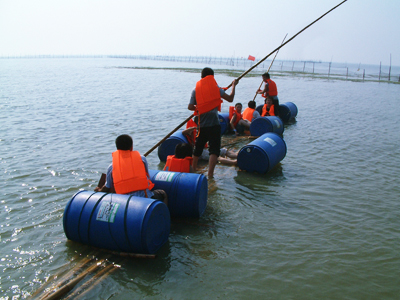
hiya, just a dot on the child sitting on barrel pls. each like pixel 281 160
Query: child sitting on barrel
pixel 182 160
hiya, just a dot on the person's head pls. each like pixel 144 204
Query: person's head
pixel 238 107
pixel 265 76
pixel 183 150
pixel 124 142
pixel 268 101
pixel 207 71
pixel 252 104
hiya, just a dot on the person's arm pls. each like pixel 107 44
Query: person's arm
pixel 256 115
pixel 188 131
pixel 230 97
pixel 233 120
pixel 192 102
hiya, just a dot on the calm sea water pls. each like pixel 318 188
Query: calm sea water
pixel 324 224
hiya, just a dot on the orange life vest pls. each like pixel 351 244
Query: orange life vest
pixel 191 138
pixel 129 173
pixel 208 95
pixel 178 164
pixel 232 111
pixel 266 112
pixel 248 114
pixel 272 89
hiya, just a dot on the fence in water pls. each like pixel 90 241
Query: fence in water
pixel 313 69
pixel 317 69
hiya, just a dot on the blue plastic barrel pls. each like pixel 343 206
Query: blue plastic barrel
pixel 287 111
pixel 266 124
pixel 187 192
pixel 168 146
pixel 117 222
pixel 262 154
pixel 224 122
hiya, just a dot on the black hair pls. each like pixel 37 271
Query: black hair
pixel 266 75
pixel 183 150
pixel 207 71
pixel 252 104
pixel 124 142
pixel 239 104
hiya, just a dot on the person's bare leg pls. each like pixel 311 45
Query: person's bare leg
pixel 226 161
pixel 195 161
pixel 231 154
pixel 212 161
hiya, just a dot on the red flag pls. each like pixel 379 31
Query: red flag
pixel 251 58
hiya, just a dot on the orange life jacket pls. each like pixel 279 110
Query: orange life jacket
pixel 248 114
pixel 178 164
pixel 232 111
pixel 266 112
pixel 272 89
pixel 208 95
pixel 129 173
pixel 191 138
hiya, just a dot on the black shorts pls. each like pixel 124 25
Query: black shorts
pixel 212 135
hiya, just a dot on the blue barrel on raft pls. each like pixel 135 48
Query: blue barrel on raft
pixel 187 192
pixel 117 222
pixel 168 146
pixel 224 122
pixel 287 111
pixel 262 154
pixel 266 124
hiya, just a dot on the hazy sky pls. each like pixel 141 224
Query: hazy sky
pixel 358 31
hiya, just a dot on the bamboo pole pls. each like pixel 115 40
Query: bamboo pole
pixel 70 285
pixel 168 135
pixel 92 282
pixel 67 276
pixel 245 73
pixel 52 277
pixel 269 68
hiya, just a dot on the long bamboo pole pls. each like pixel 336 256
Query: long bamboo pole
pixel 92 282
pixel 168 135
pixel 269 68
pixel 245 73
pixel 63 280
pixel 70 285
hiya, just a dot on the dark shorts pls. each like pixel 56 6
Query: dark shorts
pixel 212 135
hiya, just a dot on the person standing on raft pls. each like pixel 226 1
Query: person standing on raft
pixel 270 88
pixel 206 102
pixel 129 173
pixel 270 91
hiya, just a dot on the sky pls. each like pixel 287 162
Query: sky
pixel 358 31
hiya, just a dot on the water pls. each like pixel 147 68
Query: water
pixel 324 224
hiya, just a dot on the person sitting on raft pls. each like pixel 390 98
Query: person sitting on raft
pixel 225 154
pixel 129 173
pixel 249 115
pixel 270 108
pixel 235 116
pixel 182 160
